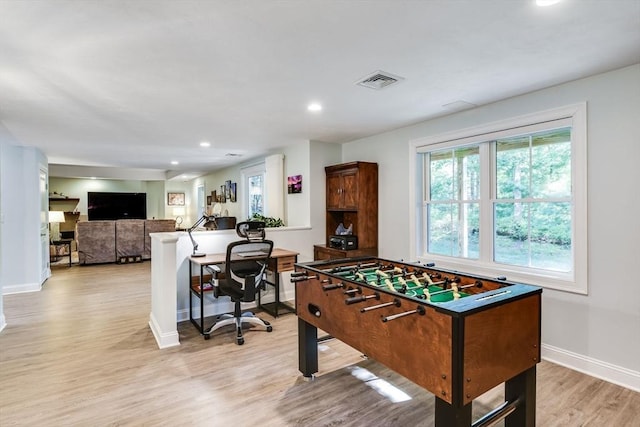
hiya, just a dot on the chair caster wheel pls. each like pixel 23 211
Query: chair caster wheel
pixel 207 336
pixel 269 328
pixel 240 341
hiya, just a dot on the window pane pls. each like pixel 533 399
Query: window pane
pixel 511 238
pixel 256 195
pixel 441 174
pixel 471 227
pixel 443 232
pixel 454 229
pixel 455 174
pixel 551 236
pixel 533 235
pixel 551 164
pixel 469 160
pixel 512 167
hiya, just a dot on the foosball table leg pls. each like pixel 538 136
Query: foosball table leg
pixel 307 349
pixel 523 387
pixel 447 415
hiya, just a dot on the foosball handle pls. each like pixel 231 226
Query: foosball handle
pixel 332 286
pixel 295 279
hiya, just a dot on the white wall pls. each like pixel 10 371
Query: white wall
pixel 20 241
pixel 301 210
pixel 594 331
pixel 3 158
pixel 297 207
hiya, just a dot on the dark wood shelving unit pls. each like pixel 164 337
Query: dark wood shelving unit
pixel 351 199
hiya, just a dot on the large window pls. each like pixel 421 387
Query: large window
pixel 508 199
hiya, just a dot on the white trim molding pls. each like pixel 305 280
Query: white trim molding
pixel 593 367
pixel 21 288
pixel 163 339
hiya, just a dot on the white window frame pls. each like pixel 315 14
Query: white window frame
pixel 201 202
pixel 577 281
pixel 246 172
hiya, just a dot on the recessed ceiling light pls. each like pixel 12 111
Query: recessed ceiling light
pixel 174 162
pixel 547 2
pixel 205 144
pixel 314 106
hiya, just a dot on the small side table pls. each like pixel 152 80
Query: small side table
pixel 62 243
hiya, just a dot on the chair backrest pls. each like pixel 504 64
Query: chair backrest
pixel 251 230
pixel 245 266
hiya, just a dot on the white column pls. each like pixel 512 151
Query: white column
pixel 162 320
pixel 274 185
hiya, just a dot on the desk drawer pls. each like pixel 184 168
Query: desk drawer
pixel 280 264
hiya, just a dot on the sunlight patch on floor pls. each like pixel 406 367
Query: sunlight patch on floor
pixel 384 388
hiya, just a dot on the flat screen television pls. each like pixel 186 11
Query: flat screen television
pixel 109 206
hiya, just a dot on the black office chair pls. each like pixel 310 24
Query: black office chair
pixel 245 266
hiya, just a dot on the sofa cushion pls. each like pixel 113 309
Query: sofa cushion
pixel 96 241
pixel 155 226
pixel 129 237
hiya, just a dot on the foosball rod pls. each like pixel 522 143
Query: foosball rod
pixel 385 273
pixel 361 298
pixel 477 284
pixel 419 310
pixel 395 302
pixel 428 282
pixel 368 268
pixel 348 269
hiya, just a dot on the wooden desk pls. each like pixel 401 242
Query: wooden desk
pixel 281 260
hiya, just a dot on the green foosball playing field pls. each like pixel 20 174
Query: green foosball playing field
pixel 424 287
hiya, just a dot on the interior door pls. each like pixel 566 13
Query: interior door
pixel 45 270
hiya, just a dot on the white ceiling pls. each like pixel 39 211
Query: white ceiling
pixel 136 84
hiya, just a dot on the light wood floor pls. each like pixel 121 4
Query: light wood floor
pixel 80 353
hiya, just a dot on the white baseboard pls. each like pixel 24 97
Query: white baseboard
pixel 596 368
pixel 21 288
pixel 164 340
pixel 3 322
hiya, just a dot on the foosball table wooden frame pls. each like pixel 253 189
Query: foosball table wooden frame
pixel 485 335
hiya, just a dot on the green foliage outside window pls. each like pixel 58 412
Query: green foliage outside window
pixel 532 207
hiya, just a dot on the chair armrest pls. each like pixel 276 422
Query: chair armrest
pixel 213 269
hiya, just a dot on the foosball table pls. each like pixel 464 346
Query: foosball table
pixel 456 335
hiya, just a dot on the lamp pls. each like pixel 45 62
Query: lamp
pixel 178 213
pixel 210 222
pixel 216 210
pixel 55 218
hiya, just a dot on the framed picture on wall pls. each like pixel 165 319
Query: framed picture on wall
pixel 232 193
pixel 175 199
pixel 227 189
pixel 294 184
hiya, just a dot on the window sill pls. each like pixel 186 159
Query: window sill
pixel 547 279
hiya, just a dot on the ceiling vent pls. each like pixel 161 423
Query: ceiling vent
pixel 379 80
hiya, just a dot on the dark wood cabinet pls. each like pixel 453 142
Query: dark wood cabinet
pixel 352 199
pixel 342 189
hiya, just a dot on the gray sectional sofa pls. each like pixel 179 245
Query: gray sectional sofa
pixel 102 242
